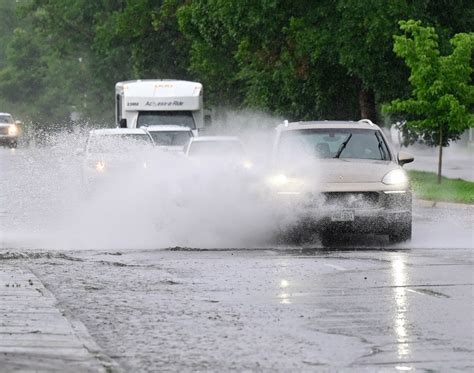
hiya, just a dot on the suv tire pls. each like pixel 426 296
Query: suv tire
pixel 401 233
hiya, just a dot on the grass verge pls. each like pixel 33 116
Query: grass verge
pixel 425 186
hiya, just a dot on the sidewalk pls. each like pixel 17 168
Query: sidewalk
pixel 35 335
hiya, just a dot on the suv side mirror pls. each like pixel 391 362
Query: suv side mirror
pixel 404 158
pixel 123 123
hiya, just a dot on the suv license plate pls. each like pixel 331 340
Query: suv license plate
pixel 343 216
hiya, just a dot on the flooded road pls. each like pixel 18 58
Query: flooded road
pixel 281 310
pixel 366 306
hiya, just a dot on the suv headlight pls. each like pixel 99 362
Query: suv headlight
pixel 395 177
pixel 13 130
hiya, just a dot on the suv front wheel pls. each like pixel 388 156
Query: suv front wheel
pixel 401 233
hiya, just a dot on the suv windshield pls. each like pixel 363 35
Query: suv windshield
pixel 117 143
pixel 341 143
pixel 157 118
pixel 216 149
pixel 170 138
pixel 6 119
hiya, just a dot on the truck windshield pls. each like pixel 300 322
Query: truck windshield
pixel 157 118
pixel 170 138
pixel 333 143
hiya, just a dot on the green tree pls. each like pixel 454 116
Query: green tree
pixel 261 54
pixel 306 59
pixel 442 97
pixel 67 55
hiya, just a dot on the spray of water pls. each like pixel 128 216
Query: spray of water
pixel 174 201
pixel 157 199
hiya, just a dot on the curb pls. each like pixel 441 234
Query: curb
pixel 36 335
pixel 445 205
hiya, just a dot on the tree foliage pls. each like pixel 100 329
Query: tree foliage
pixel 442 94
pixel 442 98
pixel 302 59
pixel 66 55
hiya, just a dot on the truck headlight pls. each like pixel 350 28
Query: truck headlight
pixel 13 130
pixel 395 177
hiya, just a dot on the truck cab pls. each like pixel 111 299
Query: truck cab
pixel 144 103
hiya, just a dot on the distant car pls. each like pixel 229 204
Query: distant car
pixel 170 137
pixel 342 176
pixel 227 149
pixel 9 130
pixel 108 151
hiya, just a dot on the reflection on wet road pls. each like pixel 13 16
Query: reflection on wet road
pixel 399 273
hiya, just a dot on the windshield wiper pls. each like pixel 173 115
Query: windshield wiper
pixel 381 148
pixel 342 147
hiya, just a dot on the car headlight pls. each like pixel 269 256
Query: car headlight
pixel 395 177
pixel 13 130
pixel 283 184
pixel 100 166
pixel 279 180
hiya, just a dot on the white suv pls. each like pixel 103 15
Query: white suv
pixel 341 176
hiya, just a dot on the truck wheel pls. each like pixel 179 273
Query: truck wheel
pixel 13 144
pixel 401 233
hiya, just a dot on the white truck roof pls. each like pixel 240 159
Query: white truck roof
pixel 160 95
pixel 155 88
pixel 168 127
pixel 160 88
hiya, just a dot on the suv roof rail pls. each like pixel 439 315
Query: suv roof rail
pixel 368 121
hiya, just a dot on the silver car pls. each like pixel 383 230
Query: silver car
pixel 340 176
pixel 110 151
pixel 9 130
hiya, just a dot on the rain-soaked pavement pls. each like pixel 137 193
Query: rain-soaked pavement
pixel 363 307
pixel 271 310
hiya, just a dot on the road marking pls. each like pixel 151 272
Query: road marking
pixel 433 293
pixel 339 268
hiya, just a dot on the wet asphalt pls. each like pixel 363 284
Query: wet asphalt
pixel 272 309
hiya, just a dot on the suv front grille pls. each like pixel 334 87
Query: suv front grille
pixel 352 200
